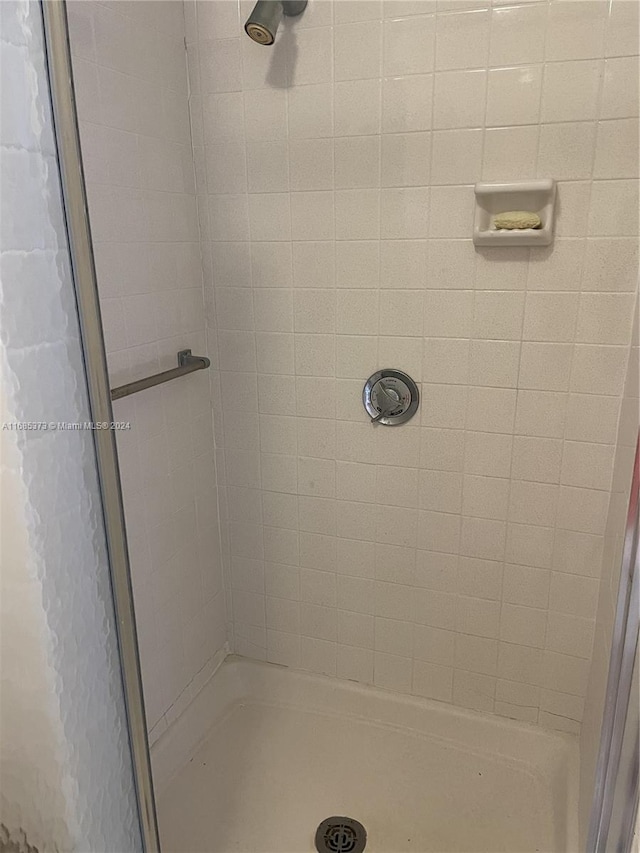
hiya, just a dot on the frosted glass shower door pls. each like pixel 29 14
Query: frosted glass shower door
pixel 69 775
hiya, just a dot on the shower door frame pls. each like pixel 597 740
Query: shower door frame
pixel 76 215
pixel 619 695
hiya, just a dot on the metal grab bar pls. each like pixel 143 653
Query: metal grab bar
pixel 187 363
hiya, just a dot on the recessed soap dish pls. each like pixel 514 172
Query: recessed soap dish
pixel 534 196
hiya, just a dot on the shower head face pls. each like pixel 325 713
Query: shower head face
pixel 263 22
pixel 259 33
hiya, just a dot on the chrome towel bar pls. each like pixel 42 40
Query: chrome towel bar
pixel 187 363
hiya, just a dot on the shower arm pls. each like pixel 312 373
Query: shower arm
pixel 293 8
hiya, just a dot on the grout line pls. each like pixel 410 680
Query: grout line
pixel 224 562
pixel 249 244
pixel 290 33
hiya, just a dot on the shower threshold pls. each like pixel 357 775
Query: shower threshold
pixel 264 754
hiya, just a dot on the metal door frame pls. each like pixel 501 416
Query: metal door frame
pixel 624 647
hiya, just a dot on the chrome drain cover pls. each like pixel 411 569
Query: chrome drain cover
pixel 341 835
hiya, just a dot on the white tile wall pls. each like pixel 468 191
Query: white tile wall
pixel 456 557
pixel 336 240
pixel 131 86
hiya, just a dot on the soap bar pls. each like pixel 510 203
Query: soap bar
pixel 517 219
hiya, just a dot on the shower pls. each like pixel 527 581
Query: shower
pixel 263 22
pixel 327 542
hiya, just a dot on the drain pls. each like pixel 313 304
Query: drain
pixel 341 835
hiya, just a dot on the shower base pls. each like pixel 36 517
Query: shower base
pixel 264 754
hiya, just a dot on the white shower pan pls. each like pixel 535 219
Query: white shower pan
pixel 271 752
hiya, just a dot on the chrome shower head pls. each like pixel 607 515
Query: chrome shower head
pixel 262 24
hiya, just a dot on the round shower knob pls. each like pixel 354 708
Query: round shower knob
pixel 390 397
